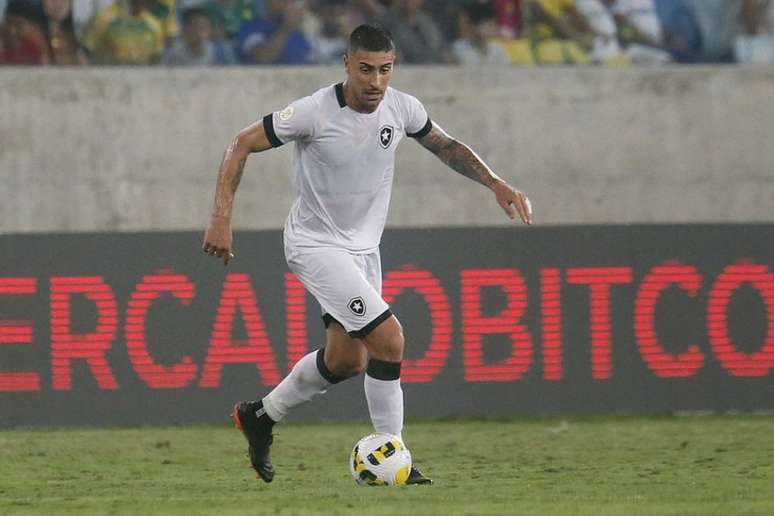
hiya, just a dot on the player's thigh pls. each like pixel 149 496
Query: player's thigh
pixel 344 356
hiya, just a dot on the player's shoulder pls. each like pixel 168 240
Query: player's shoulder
pixel 309 106
pixel 324 94
pixel 320 102
pixel 404 102
pixel 400 97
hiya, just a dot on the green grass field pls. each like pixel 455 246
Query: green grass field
pixel 598 465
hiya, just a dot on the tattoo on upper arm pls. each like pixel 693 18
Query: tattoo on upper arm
pixel 458 156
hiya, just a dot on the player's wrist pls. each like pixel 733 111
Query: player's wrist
pixel 493 182
pixel 220 218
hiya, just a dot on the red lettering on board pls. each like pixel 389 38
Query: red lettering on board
pixel 155 375
pixel 238 294
pixel 599 280
pixel 423 282
pixel 17 332
pixel 663 364
pixel 91 347
pixel 295 315
pixel 475 325
pixel 736 362
pixel 551 322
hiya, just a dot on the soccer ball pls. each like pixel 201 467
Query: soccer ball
pixel 379 460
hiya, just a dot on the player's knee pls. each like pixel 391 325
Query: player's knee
pixel 386 342
pixel 351 366
pixel 360 366
pixel 396 342
pixel 345 361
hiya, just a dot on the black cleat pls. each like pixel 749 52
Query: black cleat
pixel 255 424
pixel 417 478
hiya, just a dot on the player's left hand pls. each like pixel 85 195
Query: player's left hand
pixel 512 201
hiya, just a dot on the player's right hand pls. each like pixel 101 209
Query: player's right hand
pixel 218 239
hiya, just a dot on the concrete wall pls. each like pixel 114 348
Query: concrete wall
pixel 138 149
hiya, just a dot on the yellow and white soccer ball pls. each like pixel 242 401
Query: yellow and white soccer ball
pixel 380 460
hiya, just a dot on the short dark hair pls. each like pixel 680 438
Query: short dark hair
pixel 371 38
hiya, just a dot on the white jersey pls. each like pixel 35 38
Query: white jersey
pixel 343 165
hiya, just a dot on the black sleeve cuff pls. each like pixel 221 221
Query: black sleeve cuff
pixel 426 129
pixel 268 127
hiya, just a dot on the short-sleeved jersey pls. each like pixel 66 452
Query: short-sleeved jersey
pixel 343 165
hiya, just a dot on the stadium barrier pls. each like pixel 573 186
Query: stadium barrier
pixel 141 328
pixel 137 149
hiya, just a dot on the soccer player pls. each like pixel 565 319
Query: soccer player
pixel 345 139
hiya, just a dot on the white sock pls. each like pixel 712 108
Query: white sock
pixel 304 382
pixel 385 404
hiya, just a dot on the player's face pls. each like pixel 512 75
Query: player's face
pixel 368 74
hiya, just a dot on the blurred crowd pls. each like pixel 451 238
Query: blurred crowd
pixel 465 32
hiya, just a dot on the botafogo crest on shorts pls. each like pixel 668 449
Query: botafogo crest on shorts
pixel 357 306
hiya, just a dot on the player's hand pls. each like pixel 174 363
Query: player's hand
pixel 513 201
pixel 218 239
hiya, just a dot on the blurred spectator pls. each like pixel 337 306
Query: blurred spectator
pixel 639 30
pixel 84 11
pixel 605 47
pixel 196 45
pixel 680 30
pixel 477 27
pixel 560 31
pixel 316 31
pixel 637 21
pixel 560 19
pixel 275 38
pixel 719 24
pixel 337 19
pixel 756 45
pixel 63 46
pixel 445 15
pixel 228 15
pixel 372 8
pixel 125 33
pixel 22 37
pixel 509 17
pixel 416 36
pixel 758 16
pixel 166 12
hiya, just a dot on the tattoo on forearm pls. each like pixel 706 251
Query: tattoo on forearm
pixel 458 156
pixel 463 160
pixel 238 175
pixel 227 187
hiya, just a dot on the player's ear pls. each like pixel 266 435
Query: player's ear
pixel 345 60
